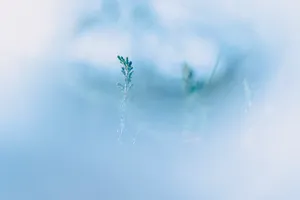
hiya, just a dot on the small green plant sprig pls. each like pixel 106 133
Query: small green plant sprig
pixel 127 71
pixel 195 93
pixel 191 85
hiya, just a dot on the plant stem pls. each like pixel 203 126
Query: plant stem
pixel 127 71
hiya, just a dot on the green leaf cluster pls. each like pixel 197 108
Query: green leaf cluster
pixel 127 71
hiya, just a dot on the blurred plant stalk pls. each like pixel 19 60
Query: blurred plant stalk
pixel 127 71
